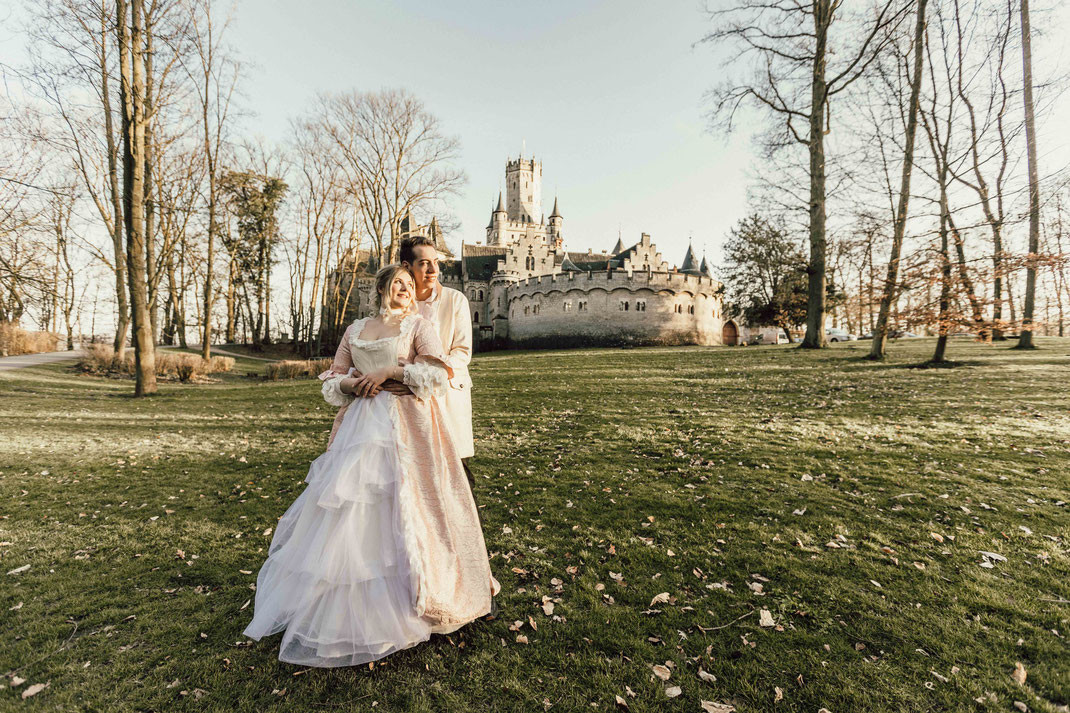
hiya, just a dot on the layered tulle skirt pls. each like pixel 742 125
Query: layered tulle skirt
pixel 343 572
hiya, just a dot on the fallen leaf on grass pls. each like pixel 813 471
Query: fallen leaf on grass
pixel 661 672
pixel 521 639
pixel 937 536
pixel 660 598
pixel 621 702
pixel 16 681
pixel 34 690
pixel 765 618
pixel 20 570
pixel 778 694
pixel 707 676
pixel 673 691
pixel 714 707
pixel 1019 673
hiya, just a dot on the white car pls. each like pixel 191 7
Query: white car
pixel 840 335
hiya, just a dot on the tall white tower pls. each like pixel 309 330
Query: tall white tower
pixel 523 190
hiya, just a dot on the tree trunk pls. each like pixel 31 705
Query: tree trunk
pixel 880 334
pixel 132 92
pixel 945 268
pixel 231 336
pixel 1025 336
pixel 122 325
pixel 815 303
pixel 150 207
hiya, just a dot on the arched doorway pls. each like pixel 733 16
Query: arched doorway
pixel 729 334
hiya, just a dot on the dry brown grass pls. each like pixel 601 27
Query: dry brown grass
pixel 297 369
pixel 101 359
pixel 14 341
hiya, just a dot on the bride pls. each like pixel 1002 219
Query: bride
pixel 383 548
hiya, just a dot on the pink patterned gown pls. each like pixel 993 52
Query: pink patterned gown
pixel 384 547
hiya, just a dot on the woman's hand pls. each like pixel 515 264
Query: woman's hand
pixel 369 385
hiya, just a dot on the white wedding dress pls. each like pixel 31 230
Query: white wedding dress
pixel 342 571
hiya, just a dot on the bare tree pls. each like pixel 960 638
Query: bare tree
pixel 792 58
pixel 132 94
pixel 394 156
pixel 1025 338
pixel 880 332
pixel 73 55
pixel 214 73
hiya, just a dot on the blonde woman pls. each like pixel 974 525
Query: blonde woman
pixel 383 548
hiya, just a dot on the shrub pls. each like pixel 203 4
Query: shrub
pixel 14 341
pixel 297 369
pixel 101 359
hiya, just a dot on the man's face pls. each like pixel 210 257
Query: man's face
pixel 424 266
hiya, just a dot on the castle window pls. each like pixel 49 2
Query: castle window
pixel 640 305
pixel 677 309
pixel 475 316
pixel 535 309
pixel 481 295
pixel 568 305
pixel 583 306
pixel 691 309
pixel 526 310
pixel 623 306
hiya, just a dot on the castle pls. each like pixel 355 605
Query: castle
pixel 526 291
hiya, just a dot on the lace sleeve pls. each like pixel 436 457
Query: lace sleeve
pixel 341 367
pixel 427 379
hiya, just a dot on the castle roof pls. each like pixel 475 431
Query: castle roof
pixel 481 261
pixel 501 204
pixel 568 266
pixel 618 248
pixel 555 214
pixel 690 265
pixel 704 268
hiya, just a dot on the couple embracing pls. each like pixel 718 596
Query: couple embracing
pixel 384 546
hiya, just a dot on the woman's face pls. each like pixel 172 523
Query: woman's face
pixel 401 291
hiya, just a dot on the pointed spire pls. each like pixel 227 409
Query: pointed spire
pixel 555 214
pixel 619 247
pixel 704 268
pixel 568 266
pixel 690 264
pixel 501 204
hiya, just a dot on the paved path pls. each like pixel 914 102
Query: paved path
pixel 24 360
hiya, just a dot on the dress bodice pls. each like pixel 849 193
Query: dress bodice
pixel 369 355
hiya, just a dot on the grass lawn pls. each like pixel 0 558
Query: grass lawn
pixel 849 500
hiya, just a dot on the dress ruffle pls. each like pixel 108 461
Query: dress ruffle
pixel 340 576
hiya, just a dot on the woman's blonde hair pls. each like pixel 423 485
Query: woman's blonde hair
pixel 383 279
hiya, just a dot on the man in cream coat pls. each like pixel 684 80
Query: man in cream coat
pixel 448 310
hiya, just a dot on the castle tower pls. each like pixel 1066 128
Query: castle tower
pixel 556 239
pixel 496 227
pixel 523 190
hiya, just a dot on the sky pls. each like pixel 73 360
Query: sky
pixel 609 96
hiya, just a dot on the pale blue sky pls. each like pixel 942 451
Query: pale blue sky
pixel 608 95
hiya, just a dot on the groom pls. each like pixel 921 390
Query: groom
pixel 448 310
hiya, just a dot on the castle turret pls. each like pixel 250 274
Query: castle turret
pixel 618 248
pixel 496 227
pixel 704 269
pixel 690 264
pixel 556 225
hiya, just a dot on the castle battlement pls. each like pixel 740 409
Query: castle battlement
pixel 616 279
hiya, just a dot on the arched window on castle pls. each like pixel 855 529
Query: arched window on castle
pixel 475 317
pixel 678 309
pixel 481 295
pixel 623 306
pixel 691 309
pixel 567 305
pixel 529 262
pixel 640 305
pixel 526 310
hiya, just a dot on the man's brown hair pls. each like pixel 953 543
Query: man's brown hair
pixel 408 245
